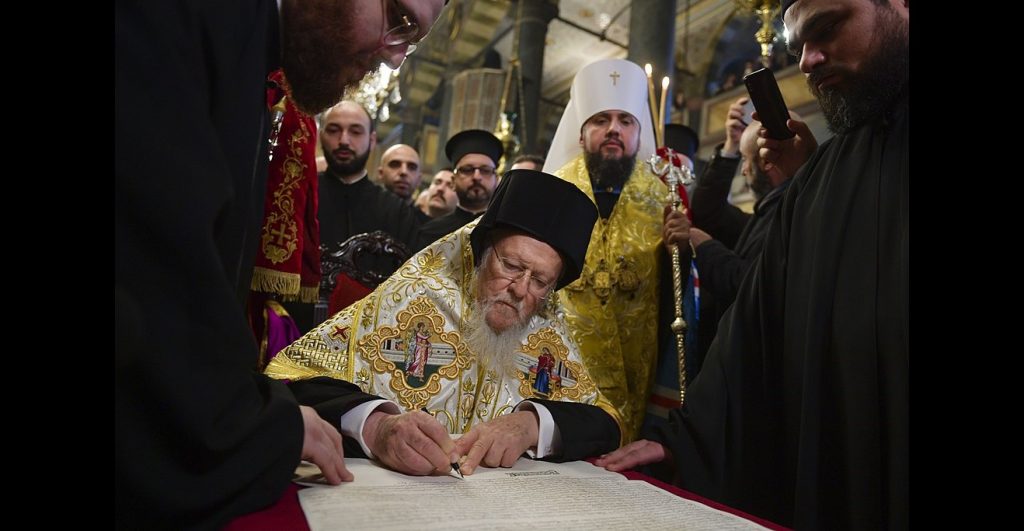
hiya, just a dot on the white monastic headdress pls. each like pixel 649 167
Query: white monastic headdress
pixel 609 84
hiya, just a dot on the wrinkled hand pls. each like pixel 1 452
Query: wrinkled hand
pixel 786 156
pixel 321 445
pixel 632 455
pixel 676 229
pixel 698 237
pixel 734 127
pixel 413 443
pixel 498 442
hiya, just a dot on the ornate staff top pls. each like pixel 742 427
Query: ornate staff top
pixel 668 164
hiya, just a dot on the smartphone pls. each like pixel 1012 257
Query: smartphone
pixel 771 108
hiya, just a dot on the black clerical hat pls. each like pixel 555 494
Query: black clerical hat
pixel 550 209
pixel 682 139
pixel 473 141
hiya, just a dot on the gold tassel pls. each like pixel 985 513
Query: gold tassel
pixel 271 281
pixel 309 294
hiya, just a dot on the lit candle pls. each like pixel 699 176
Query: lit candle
pixel 661 108
pixel 650 103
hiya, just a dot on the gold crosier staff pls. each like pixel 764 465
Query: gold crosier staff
pixel 666 163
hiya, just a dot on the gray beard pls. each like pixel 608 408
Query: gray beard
pixel 494 351
pixel 762 184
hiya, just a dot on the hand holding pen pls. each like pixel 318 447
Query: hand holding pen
pixel 499 441
pixel 413 443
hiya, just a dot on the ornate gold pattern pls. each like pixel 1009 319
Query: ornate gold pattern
pixel 460 392
pixel 603 282
pixel 427 271
pixel 488 392
pixel 285 368
pixel 612 310
pixel 443 415
pixel 368 307
pixel 547 337
pixel 280 237
pixel 364 381
pixel 412 398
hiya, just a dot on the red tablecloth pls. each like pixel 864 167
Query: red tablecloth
pixel 287 513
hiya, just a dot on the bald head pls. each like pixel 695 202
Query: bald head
pixel 760 181
pixel 748 141
pixel 399 170
pixel 347 137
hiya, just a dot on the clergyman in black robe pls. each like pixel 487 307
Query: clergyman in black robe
pixel 801 411
pixel 199 436
pixel 475 154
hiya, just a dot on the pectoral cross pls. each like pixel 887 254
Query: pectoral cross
pixel 615 77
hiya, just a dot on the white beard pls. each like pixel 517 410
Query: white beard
pixel 495 351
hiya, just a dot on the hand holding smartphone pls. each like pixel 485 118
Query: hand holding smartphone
pixel 771 108
pixel 748 112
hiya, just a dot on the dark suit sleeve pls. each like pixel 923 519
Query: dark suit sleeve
pixel 587 430
pixel 429 233
pixel 711 210
pixel 403 221
pixel 721 270
pixel 421 218
pixel 332 398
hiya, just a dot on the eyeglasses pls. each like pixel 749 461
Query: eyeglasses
pixel 468 171
pixel 402 30
pixel 513 272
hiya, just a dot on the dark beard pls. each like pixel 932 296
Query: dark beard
pixel 761 184
pixel 609 173
pixel 868 94
pixel 356 165
pixel 317 60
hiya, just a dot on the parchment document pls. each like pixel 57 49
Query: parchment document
pixel 530 495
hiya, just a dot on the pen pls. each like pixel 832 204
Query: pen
pixel 455 467
pixel 455 464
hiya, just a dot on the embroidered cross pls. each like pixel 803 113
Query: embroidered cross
pixel 339 332
pixel 280 233
pixel 615 77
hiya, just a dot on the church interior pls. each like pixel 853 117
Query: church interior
pixel 507 66
pixel 539 242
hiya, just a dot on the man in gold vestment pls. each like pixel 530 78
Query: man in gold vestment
pixel 602 145
pixel 455 340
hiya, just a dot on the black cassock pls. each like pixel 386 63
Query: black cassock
pixel 442 226
pixel 344 210
pixel 199 437
pixel 801 412
pixel 349 209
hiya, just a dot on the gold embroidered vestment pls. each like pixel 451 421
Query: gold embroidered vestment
pixel 612 309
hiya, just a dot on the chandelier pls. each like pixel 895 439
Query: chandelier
pixel 376 91
pixel 766 10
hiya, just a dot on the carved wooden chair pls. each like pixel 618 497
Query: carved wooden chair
pixel 351 269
